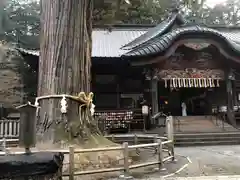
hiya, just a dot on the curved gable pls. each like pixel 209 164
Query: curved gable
pixel 160 45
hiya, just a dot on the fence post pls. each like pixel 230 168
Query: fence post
pixel 156 141
pixel 160 155
pixel 71 163
pixel 126 174
pixel 136 142
pixel 135 139
pixel 170 134
pixel 113 138
pixel 4 144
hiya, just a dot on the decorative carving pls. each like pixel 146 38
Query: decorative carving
pixel 197 45
pixel 190 73
pixel 190 78
pixel 195 59
pixel 189 69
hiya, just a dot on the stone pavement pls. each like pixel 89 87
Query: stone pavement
pixel 235 177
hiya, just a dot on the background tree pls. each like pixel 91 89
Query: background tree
pixel 64 68
pixel 137 12
pixel 21 23
pixel 65 61
pixel 11 85
pixel 20 19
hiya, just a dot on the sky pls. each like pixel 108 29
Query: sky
pixel 215 2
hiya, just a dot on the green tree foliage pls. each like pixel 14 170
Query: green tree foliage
pixel 137 12
pixel 226 14
pixel 20 22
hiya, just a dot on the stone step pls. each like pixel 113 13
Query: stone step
pixel 213 138
pixel 201 124
pixel 206 138
pixel 208 143
pixel 206 134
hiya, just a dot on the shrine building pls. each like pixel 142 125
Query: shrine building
pixel 169 65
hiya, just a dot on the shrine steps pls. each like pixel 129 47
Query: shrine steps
pixel 201 124
pixel 207 139
pixel 204 130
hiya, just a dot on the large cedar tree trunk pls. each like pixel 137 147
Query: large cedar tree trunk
pixel 65 63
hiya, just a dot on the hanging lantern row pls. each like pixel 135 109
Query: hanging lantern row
pixel 191 82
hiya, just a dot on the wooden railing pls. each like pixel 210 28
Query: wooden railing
pixel 125 148
pixel 161 144
pixel 9 129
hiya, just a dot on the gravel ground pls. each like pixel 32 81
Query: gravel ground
pixel 207 163
pixel 211 160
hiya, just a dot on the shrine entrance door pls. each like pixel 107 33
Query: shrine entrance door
pixel 198 91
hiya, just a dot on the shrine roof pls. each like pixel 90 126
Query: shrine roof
pixel 230 40
pixel 165 26
pixel 115 41
pixel 157 40
pixel 108 40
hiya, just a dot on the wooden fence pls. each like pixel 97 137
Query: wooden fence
pixel 159 144
pixel 125 148
pixel 9 129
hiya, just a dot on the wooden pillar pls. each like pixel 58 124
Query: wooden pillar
pixel 154 96
pixel 230 98
pixel 118 90
pixel 235 97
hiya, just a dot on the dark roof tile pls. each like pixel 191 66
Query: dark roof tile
pixel 165 41
pixel 108 43
pixel 162 28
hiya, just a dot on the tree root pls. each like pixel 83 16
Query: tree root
pixel 82 132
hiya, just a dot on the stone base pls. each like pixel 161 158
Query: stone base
pixel 128 177
pixel 161 170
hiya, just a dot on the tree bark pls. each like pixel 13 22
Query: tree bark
pixel 64 67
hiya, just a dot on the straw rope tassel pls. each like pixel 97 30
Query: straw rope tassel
pixel 210 82
pixel 213 83
pixel 187 85
pixel 179 83
pixel 194 82
pixel 174 84
pixel 165 80
pixel 218 85
pixel 189 82
pixel 184 83
pixel 200 83
pixel 205 82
